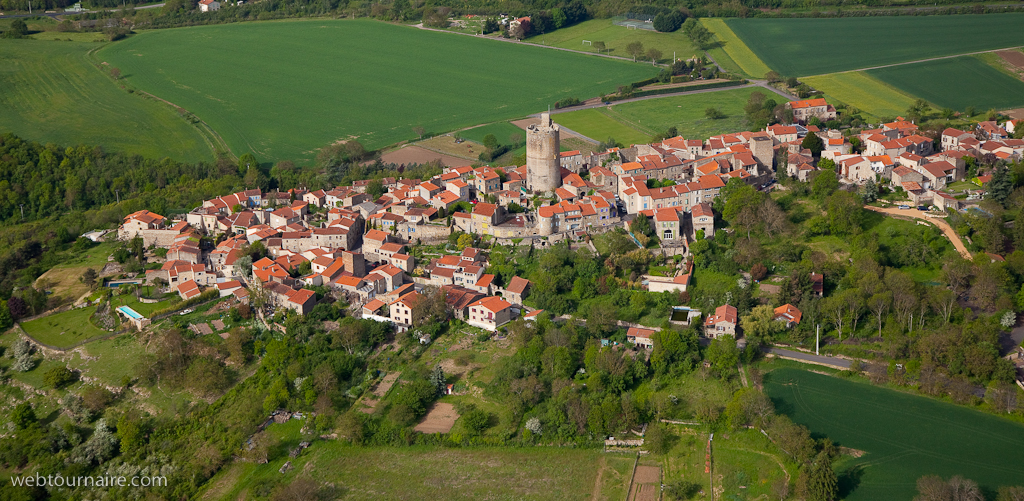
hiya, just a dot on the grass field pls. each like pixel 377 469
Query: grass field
pixel 731 52
pixel 905 436
pixel 429 473
pixel 64 278
pixel 636 122
pixel 616 38
pixel 956 83
pixel 64 329
pixel 501 130
pixel 312 83
pixel 866 93
pixel 52 93
pixel 801 47
pixel 595 123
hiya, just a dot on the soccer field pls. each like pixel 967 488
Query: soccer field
pixel 50 92
pixel 616 38
pixel 904 436
pixel 282 90
pixel 801 47
pixel 956 83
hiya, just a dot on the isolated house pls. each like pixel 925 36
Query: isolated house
pixel 640 337
pixel 788 314
pixel 208 5
pixel 722 323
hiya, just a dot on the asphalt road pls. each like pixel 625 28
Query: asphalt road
pixel 807 357
pixel 58 14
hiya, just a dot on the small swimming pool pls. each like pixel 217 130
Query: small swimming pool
pixel 130 313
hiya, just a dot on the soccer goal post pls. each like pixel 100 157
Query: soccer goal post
pixel 588 42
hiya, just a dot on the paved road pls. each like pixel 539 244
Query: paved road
pixel 809 357
pixel 57 14
pixel 940 222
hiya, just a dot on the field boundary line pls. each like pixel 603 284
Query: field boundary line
pixel 914 62
pixel 209 135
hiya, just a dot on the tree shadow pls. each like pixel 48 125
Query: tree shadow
pixel 849 480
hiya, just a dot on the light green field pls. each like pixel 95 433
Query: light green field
pixel 596 124
pixel 616 38
pixel 732 53
pixel 636 122
pixel 64 329
pixel 314 82
pixel 864 92
pixel 52 93
pixel 904 436
pixel 503 131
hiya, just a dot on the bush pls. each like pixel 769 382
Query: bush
pixel 59 377
pixel 666 23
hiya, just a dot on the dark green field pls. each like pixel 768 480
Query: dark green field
pixel 802 47
pixel 284 89
pixel 956 83
pixel 905 436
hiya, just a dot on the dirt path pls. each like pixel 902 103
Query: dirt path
pixel 941 223
pixel 915 62
pixel 596 494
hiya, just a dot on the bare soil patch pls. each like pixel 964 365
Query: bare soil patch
pixel 379 391
pixel 646 484
pixel 440 419
pixel 1016 114
pixel 683 84
pixel 647 475
pixel 418 155
pixel 1013 56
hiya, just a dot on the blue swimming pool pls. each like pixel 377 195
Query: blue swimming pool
pixel 130 313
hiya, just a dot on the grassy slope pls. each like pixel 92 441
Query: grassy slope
pixel 315 82
pixel 635 122
pixel 52 93
pixel 905 436
pixel 956 83
pixel 863 91
pixel 616 38
pixel 732 53
pixel 800 47
pixel 64 278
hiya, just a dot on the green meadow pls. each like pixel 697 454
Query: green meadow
pixel 903 436
pixel 51 92
pixel 636 122
pixel 616 38
pixel 801 47
pixel 282 90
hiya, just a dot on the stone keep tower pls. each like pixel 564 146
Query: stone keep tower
pixel 543 169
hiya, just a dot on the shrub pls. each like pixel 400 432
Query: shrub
pixel 567 102
pixel 59 377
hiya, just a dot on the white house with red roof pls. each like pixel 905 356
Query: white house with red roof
pixel 489 313
pixel 722 323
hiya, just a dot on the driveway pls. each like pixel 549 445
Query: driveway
pixel 809 357
pixel 937 221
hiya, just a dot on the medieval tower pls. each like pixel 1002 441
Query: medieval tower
pixel 543 168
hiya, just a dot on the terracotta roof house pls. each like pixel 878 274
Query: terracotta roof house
pixel 722 323
pixel 641 337
pixel 788 314
pixel 517 290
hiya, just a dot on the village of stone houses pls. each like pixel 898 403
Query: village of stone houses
pixel 360 247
